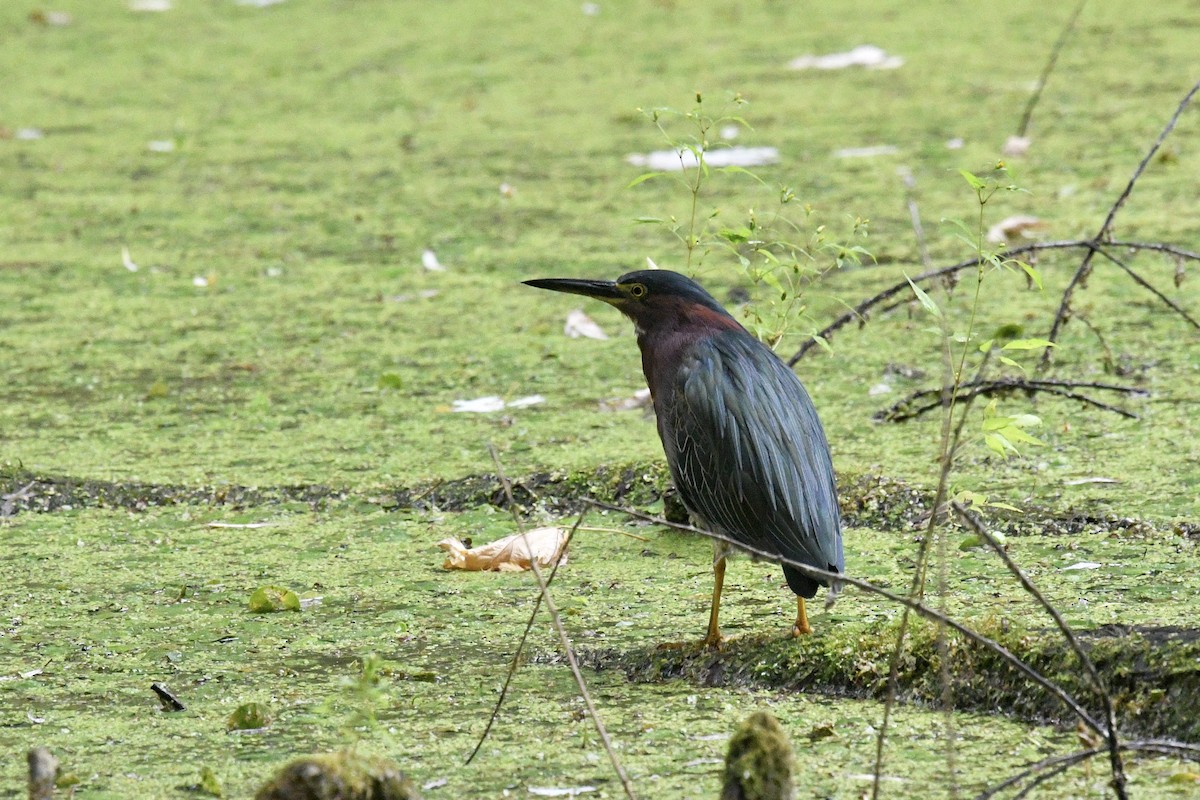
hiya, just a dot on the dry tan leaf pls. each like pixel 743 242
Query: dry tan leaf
pixel 510 554
pixel 580 324
pixel 1019 225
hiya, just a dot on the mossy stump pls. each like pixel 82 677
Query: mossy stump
pixel 339 776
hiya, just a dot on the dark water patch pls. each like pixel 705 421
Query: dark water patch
pixel 867 500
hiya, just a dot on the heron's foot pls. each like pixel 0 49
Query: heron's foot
pixel 801 627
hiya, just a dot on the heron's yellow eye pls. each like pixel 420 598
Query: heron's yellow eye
pixel 637 291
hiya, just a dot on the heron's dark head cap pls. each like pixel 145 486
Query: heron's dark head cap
pixel 646 296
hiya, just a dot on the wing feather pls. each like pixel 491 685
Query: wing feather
pixel 750 455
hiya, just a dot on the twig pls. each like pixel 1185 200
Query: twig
pixel 914 214
pixel 917 606
pixel 1057 764
pixel 1118 768
pixel 556 621
pixel 1041 82
pixel 516 659
pixel 1053 763
pixel 901 412
pixel 1102 235
pixel 862 310
pixel 1150 288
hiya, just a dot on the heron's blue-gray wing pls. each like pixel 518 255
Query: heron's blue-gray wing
pixel 750 455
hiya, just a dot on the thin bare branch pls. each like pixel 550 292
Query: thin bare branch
pixel 1057 764
pixel 515 663
pixel 917 606
pixel 914 215
pixel 862 310
pixel 565 640
pixel 1060 317
pixel 903 410
pixel 1049 68
pixel 1145 284
pixel 1114 750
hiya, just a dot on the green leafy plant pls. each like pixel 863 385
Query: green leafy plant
pixel 783 249
pixel 1000 432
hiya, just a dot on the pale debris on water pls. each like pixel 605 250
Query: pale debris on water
pixel 161 146
pixel 58 19
pixel 678 160
pixel 29 134
pixel 127 260
pixel 580 325
pixel 150 5
pixel 1016 145
pixel 1083 565
pixel 510 554
pixel 259 3
pixel 424 294
pixel 560 791
pixel 429 261
pixel 1018 225
pixel 865 55
pixel 1085 481
pixel 484 405
pixel 866 152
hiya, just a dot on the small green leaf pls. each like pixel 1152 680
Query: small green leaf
pixel 209 784
pixel 158 390
pixel 996 423
pixel 269 599
pixel 743 171
pixel 997 444
pixel 986 346
pixel 973 179
pixel 390 380
pixel 249 717
pixel 645 176
pixel 1033 274
pixel 1028 344
pixel 925 299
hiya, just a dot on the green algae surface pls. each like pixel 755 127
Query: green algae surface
pixel 213 309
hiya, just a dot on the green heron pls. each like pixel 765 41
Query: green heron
pixel 743 442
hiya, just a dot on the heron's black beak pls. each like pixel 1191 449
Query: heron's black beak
pixel 601 290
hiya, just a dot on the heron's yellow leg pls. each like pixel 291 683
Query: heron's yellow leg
pixel 801 627
pixel 713 637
